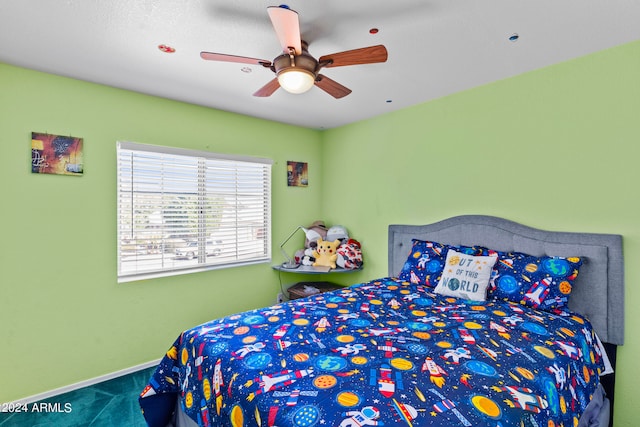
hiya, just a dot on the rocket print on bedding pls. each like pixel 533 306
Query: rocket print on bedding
pixel 386 352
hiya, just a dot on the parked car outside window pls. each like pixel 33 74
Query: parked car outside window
pixel 190 250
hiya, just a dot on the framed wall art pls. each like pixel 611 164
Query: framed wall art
pixel 297 174
pixel 56 154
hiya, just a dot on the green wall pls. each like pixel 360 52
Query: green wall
pixel 63 316
pixel 557 149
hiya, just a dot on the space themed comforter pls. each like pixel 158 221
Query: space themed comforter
pixel 385 352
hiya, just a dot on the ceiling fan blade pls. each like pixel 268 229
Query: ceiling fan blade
pixel 364 55
pixel 332 87
pixel 210 56
pixel 268 89
pixel 285 22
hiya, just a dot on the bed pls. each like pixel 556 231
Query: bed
pixel 419 347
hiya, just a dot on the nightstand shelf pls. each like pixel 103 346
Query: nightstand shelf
pixel 309 288
pixel 308 269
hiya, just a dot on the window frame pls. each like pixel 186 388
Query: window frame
pixel 212 188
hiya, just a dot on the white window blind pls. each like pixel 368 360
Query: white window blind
pixel 181 211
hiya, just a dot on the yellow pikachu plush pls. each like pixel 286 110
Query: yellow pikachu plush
pixel 325 253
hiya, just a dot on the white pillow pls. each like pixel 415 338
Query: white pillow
pixel 466 276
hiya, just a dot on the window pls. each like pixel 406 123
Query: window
pixel 181 211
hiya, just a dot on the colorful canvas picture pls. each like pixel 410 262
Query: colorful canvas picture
pixel 297 174
pixel 56 154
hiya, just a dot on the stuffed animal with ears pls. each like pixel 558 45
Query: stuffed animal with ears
pixel 325 253
pixel 305 256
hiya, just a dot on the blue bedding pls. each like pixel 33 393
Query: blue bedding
pixel 385 352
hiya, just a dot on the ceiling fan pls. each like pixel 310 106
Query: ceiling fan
pixel 296 70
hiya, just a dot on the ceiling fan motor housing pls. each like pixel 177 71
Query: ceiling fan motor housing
pixel 303 62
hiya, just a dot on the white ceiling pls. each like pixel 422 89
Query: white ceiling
pixel 436 47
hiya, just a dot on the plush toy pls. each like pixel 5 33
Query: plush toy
pixel 337 232
pixel 349 255
pixel 306 257
pixel 315 231
pixel 325 253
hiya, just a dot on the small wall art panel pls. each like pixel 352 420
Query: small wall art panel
pixel 56 154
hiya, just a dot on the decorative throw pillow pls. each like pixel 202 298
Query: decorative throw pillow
pixel 426 260
pixel 539 282
pixel 466 276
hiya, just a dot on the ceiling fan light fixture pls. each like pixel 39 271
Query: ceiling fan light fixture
pixel 296 73
pixel 296 80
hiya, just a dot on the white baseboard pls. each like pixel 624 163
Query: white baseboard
pixel 85 383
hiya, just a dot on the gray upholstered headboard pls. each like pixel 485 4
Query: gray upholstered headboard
pixel 599 289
